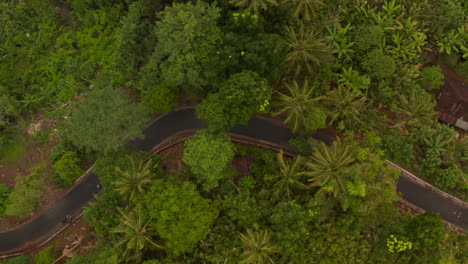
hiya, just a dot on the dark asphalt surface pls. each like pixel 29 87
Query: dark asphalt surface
pixel 181 120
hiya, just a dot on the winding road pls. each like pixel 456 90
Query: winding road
pixel 41 228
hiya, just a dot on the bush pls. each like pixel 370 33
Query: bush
pixel 68 168
pixel 23 198
pixel 432 78
pixel 45 256
pixel 378 65
pixel 462 69
pixel 4 192
pixel 209 156
pixel 159 97
pixel 368 38
pixel 447 178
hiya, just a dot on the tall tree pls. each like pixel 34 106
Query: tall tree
pixel 299 105
pixel 209 155
pixel 254 5
pixel 134 182
pixel 304 9
pixel 104 120
pixel 185 53
pixel 181 215
pixel 136 235
pixel 257 247
pixel 418 109
pixel 345 107
pixel 329 165
pixel 308 50
pixel 288 177
pixel 238 98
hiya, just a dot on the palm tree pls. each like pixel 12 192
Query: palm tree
pixel 297 104
pixel 134 182
pixel 418 109
pixel 254 5
pixel 257 247
pixel 304 9
pixel 308 50
pixel 328 167
pixel 135 235
pixel 345 106
pixel 288 175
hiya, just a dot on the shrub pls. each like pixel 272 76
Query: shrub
pixel 432 78
pixel 368 38
pixel 378 65
pixel 23 198
pixel 45 256
pixel 209 156
pixel 447 178
pixel 68 168
pixel 4 192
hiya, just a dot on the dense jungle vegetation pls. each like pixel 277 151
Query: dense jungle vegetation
pixel 362 68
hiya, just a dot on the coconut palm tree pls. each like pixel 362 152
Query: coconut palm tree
pixel 308 50
pixel 344 107
pixel 300 101
pixel 136 236
pixel 135 181
pixel 288 175
pixel 418 109
pixel 328 167
pixel 304 9
pixel 257 247
pixel 254 5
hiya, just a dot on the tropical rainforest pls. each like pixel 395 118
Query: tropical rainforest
pixel 94 73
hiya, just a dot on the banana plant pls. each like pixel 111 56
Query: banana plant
pixel 339 39
pixel 449 43
pixel 391 8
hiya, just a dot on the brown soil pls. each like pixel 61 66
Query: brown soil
pixel 34 154
pixel 453 97
pixel 172 159
pixel 77 237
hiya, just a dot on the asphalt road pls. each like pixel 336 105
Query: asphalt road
pixel 181 120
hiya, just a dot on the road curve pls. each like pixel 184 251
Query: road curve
pixel 177 121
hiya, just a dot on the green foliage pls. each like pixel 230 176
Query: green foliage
pixel 45 256
pixel 301 144
pixel 12 145
pixel 4 193
pixel 378 65
pixel 135 235
pixel 369 38
pixel 418 109
pixel 132 184
pixel 303 111
pixel 345 106
pixel 257 247
pixel 288 177
pixel 8 106
pixel 238 98
pixel 103 215
pixel 432 78
pixel 254 5
pixel 113 120
pixel 426 231
pixel 23 198
pixel 68 167
pixel 449 14
pixel 354 80
pixel 304 9
pixel 396 147
pixel 187 38
pixel 448 178
pixel 21 259
pixel 181 216
pixel 242 209
pixel 462 69
pixel 157 97
pixel 209 156
pixel 308 51
pixel 289 224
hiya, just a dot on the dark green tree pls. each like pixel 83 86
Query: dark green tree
pixel 104 120
pixel 187 39
pixel 181 216
pixel 240 97
pixel 209 156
